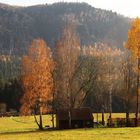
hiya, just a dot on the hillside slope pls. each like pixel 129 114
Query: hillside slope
pixel 19 25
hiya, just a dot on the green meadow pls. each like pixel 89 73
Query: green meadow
pixel 19 128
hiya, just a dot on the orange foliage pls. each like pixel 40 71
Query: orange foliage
pixel 133 42
pixel 37 69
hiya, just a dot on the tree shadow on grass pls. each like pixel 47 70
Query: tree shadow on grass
pixel 27 131
pixel 38 130
pixel 20 132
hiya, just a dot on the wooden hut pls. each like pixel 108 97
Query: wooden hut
pixel 3 107
pixel 79 118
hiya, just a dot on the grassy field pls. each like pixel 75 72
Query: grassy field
pixel 15 128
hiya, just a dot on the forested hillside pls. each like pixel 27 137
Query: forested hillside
pixel 88 57
pixel 19 25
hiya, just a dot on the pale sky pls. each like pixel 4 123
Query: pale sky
pixel 130 8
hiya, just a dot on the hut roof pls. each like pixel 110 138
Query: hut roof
pixel 76 114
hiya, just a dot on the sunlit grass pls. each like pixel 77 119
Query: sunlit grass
pixel 14 124
pixel 17 128
pixel 78 134
pixel 114 115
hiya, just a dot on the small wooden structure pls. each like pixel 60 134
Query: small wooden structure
pixel 79 118
pixel 3 107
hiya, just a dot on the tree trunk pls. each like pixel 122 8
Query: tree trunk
pixel 97 120
pixel 69 119
pixel 110 107
pixel 137 111
pixel 40 122
pixel 127 119
pixel 103 121
pixel 137 102
pixel 53 119
pixel 53 110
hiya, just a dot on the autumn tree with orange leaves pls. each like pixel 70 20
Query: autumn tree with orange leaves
pixel 133 44
pixel 37 80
